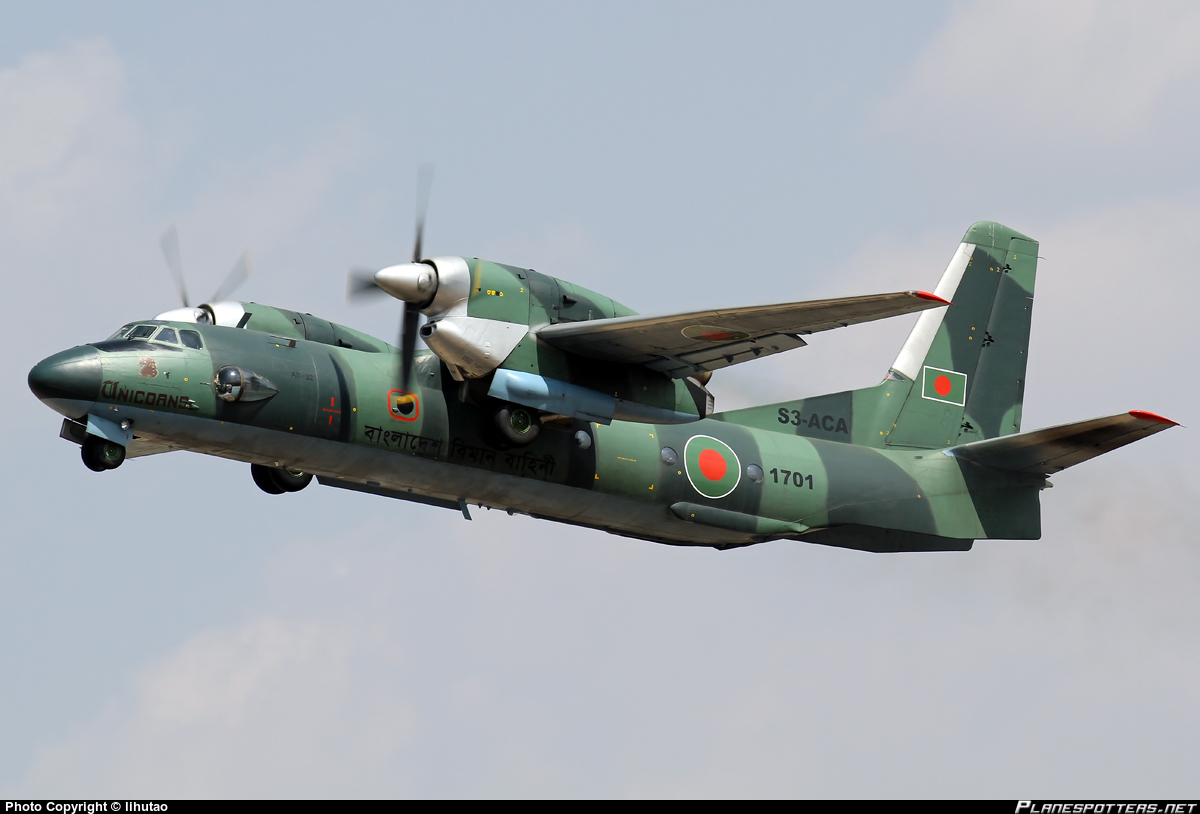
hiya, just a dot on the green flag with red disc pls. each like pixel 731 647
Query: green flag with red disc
pixel 711 466
pixel 945 385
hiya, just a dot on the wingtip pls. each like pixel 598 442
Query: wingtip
pixel 1145 416
pixel 925 295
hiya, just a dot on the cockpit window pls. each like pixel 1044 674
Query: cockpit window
pixel 120 333
pixel 191 339
pixel 167 335
pixel 141 332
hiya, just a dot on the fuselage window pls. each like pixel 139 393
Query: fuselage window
pixel 191 339
pixel 141 332
pixel 167 335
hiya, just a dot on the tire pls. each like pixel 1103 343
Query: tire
pixel 265 478
pixel 100 455
pixel 517 425
pixel 291 480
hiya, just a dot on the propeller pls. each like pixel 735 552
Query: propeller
pixel 170 246
pixel 414 283
pixel 237 275
pixel 240 272
pixel 412 310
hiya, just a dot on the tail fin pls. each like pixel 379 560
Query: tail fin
pixel 967 362
pixel 960 376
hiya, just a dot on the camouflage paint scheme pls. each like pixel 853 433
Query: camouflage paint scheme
pixel 884 468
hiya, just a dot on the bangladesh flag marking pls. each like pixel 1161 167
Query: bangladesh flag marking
pixel 712 467
pixel 945 385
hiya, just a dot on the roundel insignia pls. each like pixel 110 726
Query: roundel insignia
pixel 712 467
pixel 712 333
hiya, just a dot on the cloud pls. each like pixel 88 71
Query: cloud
pixel 1060 73
pixel 69 139
pixel 234 711
pixel 517 657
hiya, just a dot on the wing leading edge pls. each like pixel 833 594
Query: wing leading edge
pixel 682 345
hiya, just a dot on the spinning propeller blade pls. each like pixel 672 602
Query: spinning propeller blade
pixel 412 311
pixel 240 272
pixel 404 282
pixel 408 341
pixel 170 246
pixel 424 185
pixel 360 285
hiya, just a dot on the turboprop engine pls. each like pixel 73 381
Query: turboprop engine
pixel 483 321
pixel 440 288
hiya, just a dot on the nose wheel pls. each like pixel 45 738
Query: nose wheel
pixel 100 455
pixel 275 481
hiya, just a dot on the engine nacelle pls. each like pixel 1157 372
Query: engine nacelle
pixel 227 313
pixel 479 314
pixel 470 346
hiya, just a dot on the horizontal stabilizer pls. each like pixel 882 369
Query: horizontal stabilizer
pixel 1056 448
pixel 682 345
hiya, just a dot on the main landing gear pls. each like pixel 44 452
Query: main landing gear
pixel 275 481
pixel 100 455
pixel 514 425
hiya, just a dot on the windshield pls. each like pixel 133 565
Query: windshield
pixel 170 336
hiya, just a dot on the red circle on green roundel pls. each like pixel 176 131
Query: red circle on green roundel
pixel 942 385
pixel 712 464
pixel 712 467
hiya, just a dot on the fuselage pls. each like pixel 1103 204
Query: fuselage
pixel 336 408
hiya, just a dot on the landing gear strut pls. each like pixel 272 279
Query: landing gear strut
pixel 275 481
pixel 100 455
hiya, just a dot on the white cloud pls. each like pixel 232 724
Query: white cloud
pixel 1062 73
pixel 235 711
pixel 516 657
pixel 68 142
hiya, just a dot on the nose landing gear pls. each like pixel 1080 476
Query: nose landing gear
pixel 100 455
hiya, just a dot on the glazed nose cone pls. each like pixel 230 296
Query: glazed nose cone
pixel 73 374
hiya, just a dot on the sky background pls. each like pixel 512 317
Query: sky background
pixel 170 630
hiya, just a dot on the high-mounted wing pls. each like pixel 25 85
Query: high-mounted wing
pixel 682 345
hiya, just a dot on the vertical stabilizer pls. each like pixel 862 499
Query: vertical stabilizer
pixel 960 376
pixel 966 363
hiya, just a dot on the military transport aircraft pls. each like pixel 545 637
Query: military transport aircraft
pixel 539 397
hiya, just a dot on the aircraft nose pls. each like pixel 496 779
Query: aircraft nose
pixel 73 374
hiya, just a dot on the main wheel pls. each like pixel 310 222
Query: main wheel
pixel 265 478
pixel 100 455
pixel 291 480
pixel 517 425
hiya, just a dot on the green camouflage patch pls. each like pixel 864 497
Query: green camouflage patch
pixel 945 385
pixel 712 467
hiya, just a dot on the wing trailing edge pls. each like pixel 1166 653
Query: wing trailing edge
pixel 685 344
